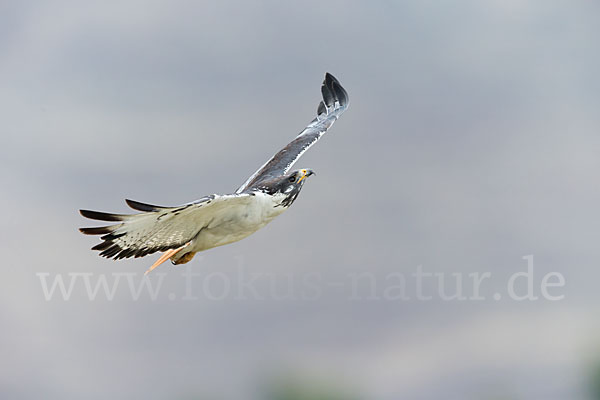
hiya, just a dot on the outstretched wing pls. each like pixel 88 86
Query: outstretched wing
pixel 158 228
pixel 334 103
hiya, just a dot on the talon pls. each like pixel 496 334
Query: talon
pixel 187 257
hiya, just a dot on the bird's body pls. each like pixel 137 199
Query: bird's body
pixel 238 221
pixel 180 232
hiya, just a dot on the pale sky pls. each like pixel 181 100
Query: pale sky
pixel 471 141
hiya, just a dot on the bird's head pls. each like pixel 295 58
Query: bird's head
pixel 288 185
pixel 297 178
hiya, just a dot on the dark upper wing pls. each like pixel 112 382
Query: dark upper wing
pixel 334 103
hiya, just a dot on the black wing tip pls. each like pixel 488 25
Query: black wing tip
pixel 333 91
pixel 110 249
pixel 136 205
pixel 321 109
pixel 101 216
pixel 330 78
pixel 100 230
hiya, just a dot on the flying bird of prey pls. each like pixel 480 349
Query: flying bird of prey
pixel 180 232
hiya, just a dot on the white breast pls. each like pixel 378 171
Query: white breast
pixel 239 221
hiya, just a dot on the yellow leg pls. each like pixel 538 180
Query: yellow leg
pixel 165 256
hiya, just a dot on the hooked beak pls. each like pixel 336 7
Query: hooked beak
pixel 305 174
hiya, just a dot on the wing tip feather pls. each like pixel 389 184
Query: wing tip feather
pixel 102 216
pixel 99 230
pixel 145 207
pixel 333 91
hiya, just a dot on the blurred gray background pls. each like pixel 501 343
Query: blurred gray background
pixel 471 141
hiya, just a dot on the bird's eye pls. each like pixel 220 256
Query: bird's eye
pixel 292 179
